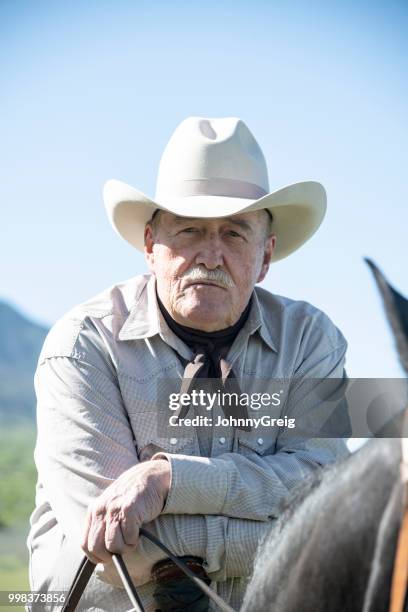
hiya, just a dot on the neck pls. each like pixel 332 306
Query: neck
pixel 226 333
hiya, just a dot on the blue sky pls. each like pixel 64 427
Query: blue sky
pixel 93 90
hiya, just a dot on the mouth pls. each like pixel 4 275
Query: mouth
pixel 203 283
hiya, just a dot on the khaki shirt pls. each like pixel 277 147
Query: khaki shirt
pixel 96 386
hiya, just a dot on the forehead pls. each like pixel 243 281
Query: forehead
pixel 246 221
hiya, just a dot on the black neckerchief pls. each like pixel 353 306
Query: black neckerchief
pixel 208 361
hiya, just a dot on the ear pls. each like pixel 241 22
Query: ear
pixel 269 248
pixel 148 246
pixel 396 309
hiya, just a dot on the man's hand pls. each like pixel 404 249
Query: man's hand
pixel 113 519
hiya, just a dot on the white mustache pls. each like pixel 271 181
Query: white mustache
pixel 216 276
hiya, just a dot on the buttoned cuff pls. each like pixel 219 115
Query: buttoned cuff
pixel 197 485
pixel 183 535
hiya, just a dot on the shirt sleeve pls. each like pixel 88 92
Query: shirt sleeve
pixel 85 442
pixel 254 487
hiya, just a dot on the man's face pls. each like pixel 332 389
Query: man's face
pixel 206 269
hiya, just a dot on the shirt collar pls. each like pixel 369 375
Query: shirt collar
pixel 258 321
pixel 145 320
pixel 142 321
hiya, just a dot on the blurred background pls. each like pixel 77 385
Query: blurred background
pixel 93 90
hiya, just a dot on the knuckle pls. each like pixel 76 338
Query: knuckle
pixel 99 511
pixel 130 522
pixel 95 512
pixel 113 513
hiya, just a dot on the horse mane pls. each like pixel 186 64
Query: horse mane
pixel 368 474
pixel 342 472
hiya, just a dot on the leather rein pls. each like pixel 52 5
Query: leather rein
pixel 86 568
pixel 399 584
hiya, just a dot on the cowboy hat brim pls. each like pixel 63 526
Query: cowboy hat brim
pixel 298 211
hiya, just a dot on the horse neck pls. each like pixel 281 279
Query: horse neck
pixel 377 595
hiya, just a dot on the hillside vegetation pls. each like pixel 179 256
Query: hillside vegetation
pixel 18 474
pixel 20 344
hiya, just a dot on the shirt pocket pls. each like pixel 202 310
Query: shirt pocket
pixel 152 435
pixel 266 398
pixel 149 416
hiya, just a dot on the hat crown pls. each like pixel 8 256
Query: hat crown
pixel 212 156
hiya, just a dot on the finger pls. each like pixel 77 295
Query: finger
pixel 114 540
pixel 94 559
pixel 130 530
pixel 87 547
pixel 85 539
pixel 113 534
pixel 96 538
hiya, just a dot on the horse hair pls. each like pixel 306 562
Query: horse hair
pixel 299 569
pixel 351 494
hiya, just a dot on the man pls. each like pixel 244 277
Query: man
pixel 105 466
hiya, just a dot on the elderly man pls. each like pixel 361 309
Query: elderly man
pixel 104 465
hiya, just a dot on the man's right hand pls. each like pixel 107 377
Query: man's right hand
pixel 113 519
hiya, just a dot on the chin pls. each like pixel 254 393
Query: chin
pixel 203 316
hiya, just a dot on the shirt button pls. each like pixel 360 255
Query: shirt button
pixel 221 440
pixel 173 441
pixel 260 441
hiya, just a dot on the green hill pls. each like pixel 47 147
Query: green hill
pixel 17 495
pixel 20 343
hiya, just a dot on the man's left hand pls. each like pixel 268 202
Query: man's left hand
pixel 113 519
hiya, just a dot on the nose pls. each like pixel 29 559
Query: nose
pixel 210 253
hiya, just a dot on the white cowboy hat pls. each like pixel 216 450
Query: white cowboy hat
pixel 215 168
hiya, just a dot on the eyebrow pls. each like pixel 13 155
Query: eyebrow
pixel 240 222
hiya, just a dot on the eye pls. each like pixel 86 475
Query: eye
pixel 187 230
pixel 234 234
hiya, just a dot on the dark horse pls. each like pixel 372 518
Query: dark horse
pixel 333 548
